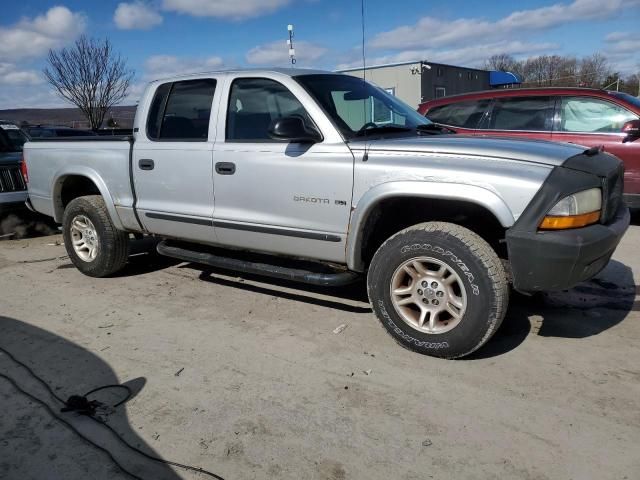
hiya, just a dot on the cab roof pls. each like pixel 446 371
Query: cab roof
pixel 514 92
pixel 291 72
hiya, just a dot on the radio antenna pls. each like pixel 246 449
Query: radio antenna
pixel 364 58
pixel 365 156
pixel 292 51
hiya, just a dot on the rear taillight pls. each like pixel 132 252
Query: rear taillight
pixel 24 171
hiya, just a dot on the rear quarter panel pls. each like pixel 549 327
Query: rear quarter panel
pixel 106 163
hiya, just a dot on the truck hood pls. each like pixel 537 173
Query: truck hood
pixel 534 151
pixel 10 158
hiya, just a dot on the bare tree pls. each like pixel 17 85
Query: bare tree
pixel 534 71
pixel 91 76
pixel 559 71
pixel 502 62
pixel 594 70
pixel 631 84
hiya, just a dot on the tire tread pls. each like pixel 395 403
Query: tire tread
pixel 484 253
pixel 113 242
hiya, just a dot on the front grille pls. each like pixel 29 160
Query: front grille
pixel 11 180
pixel 612 190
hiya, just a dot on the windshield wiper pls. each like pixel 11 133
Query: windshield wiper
pixel 433 129
pixel 370 129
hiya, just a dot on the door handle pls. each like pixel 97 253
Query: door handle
pixel 146 164
pixel 225 168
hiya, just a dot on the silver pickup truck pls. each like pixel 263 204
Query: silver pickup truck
pixel 331 178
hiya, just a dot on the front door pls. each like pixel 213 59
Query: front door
pixel 280 197
pixel 173 161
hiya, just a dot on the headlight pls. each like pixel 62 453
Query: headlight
pixel 577 210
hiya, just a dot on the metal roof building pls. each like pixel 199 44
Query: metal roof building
pixel 417 82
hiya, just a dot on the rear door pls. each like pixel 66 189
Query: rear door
pixel 519 117
pixel 173 160
pixel 463 117
pixel 595 122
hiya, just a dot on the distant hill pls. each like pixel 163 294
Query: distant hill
pixel 71 117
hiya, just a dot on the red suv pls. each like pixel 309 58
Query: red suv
pixel 584 116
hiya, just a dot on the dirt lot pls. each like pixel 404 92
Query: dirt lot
pixel 245 377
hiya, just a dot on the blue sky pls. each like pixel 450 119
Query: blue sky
pixel 162 37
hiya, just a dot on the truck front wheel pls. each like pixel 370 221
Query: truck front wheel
pixel 439 289
pixel 93 243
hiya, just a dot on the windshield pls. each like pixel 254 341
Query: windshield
pixel 357 107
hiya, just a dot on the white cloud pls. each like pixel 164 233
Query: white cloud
pixel 621 50
pixel 234 9
pixel 29 96
pixel 135 93
pixel 430 32
pixel 467 56
pixel 10 74
pixel 34 37
pixel 136 16
pixel 623 42
pixel 160 66
pixel 277 53
pixel 618 36
pixel 166 66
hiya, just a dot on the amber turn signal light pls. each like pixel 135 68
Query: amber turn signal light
pixel 570 221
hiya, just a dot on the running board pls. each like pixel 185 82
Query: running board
pixel 336 279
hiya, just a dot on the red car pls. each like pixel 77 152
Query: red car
pixel 584 116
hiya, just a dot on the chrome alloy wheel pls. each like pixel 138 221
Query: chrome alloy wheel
pixel 428 295
pixel 84 238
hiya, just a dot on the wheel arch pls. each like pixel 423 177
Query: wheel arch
pixel 476 196
pixel 69 184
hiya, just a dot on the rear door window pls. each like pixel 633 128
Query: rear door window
pixel 181 111
pixel 592 115
pixel 156 111
pixel 534 114
pixel 462 114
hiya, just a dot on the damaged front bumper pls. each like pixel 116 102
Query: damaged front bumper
pixel 558 260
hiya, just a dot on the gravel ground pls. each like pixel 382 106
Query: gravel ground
pixel 245 377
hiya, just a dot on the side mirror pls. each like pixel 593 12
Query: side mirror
pixel 293 129
pixel 632 129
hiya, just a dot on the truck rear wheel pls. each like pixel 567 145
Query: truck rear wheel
pixel 93 243
pixel 439 289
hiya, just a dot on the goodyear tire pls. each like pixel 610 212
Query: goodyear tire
pixel 93 243
pixel 439 289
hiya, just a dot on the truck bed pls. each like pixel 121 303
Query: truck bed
pixel 53 162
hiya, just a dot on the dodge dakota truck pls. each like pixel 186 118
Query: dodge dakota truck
pixel 324 178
